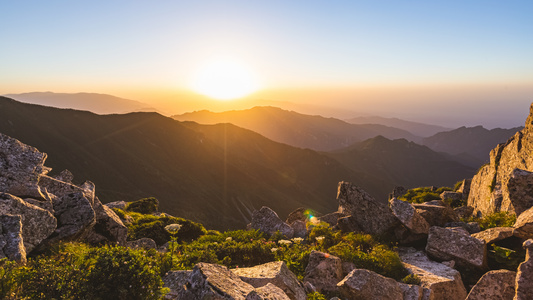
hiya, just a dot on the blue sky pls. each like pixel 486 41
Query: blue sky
pixel 126 47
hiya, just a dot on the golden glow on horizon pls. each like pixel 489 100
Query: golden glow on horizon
pixel 224 80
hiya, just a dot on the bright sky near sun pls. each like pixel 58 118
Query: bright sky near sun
pixel 129 48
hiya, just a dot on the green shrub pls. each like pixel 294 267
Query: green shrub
pixel 8 278
pixel 324 236
pixel 295 255
pixel 411 279
pixel 143 206
pixel 504 258
pixel 422 194
pixel 497 219
pixel 315 296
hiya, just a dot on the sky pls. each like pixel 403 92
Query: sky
pixel 445 62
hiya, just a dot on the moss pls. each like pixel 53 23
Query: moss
pixel 143 206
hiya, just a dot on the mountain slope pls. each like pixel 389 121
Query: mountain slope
pixel 299 130
pixel 419 129
pixel 96 103
pixel 470 145
pixel 212 174
pixel 402 163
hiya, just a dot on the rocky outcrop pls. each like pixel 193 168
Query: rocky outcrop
pixel 523 227
pixel 371 216
pixel 267 292
pixel 365 284
pixel 275 273
pixel 408 216
pixel 495 187
pixel 324 271
pixel 495 234
pixel 496 285
pixel 267 221
pixel 11 240
pixel 524 284
pixel 457 244
pixel 443 282
pixel 436 213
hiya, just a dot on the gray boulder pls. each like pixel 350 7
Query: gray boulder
pixel 495 234
pixel 21 167
pixel 331 218
pixel 408 216
pixel 11 240
pixel 175 281
pixel 436 213
pixel 145 243
pixel 267 221
pixel 471 227
pixel 275 273
pixel 451 196
pixel 523 227
pixel 108 227
pixel 211 281
pixel 348 224
pixel 371 216
pixel 300 228
pixel 494 285
pixel 524 276
pixel 297 214
pixel 365 284
pixel 37 223
pixel 323 271
pixel 457 244
pixel 463 212
pixel 267 292
pixel 465 187
pixel 443 282
pixel 117 204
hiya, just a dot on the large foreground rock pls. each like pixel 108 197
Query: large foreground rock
pixel 494 234
pixel 267 292
pixel 211 281
pixel 524 225
pixel 494 285
pixel 409 217
pixel 37 223
pixel 365 284
pixel 275 273
pixel 457 244
pixel 436 213
pixel 524 276
pixel 267 220
pixel 371 216
pixel 11 241
pixel 324 271
pixel 443 282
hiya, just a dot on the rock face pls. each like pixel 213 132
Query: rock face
pixel 267 292
pixel 175 281
pixel 11 241
pixel 371 216
pixel 524 284
pixel 365 284
pixel 268 221
pixel 495 234
pixel 497 285
pixel 210 281
pixel 324 271
pixel 524 225
pixel 496 186
pixel 457 244
pixel 443 282
pixel 275 273
pixel 409 217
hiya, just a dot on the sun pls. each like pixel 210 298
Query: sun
pixel 224 79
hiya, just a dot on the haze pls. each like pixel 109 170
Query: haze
pixel 449 63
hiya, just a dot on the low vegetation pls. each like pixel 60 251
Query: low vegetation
pixel 497 219
pixel 423 194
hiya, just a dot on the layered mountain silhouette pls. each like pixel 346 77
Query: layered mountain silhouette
pixel 299 130
pixel 97 103
pixel 469 145
pixel 416 128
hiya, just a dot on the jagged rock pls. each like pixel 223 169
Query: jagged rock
pixel 108 227
pixel 365 284
pixel 266 220
pixel 443 282
pixel 348 224
pixel 175 281
pixel 324 271
pixel 465 187
pixel 371 216
pixel 471 227
pixel 463 212
pixel 523 227
pixel 331 218
pixel 44 204
pixel 413 291
pixel 436 215
pixel 267 292
pixel 146 243
pixel 297 214
pixel 408 216
pixel 494 285
pixel 309 287
pixel 117 204
pixel 21 167
pixel 300 229
pixel 275 273
pixel 451 196
pixel 497 186
pixel 65 176
pixel 11 240
pixel 37 223
pixel 397 192
pixel 457 244
pixel 495 234
pixel 524 275
pixel 211 281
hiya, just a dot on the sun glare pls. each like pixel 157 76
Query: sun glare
pixel 224 80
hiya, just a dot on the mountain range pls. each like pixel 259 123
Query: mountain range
pixel 214 174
